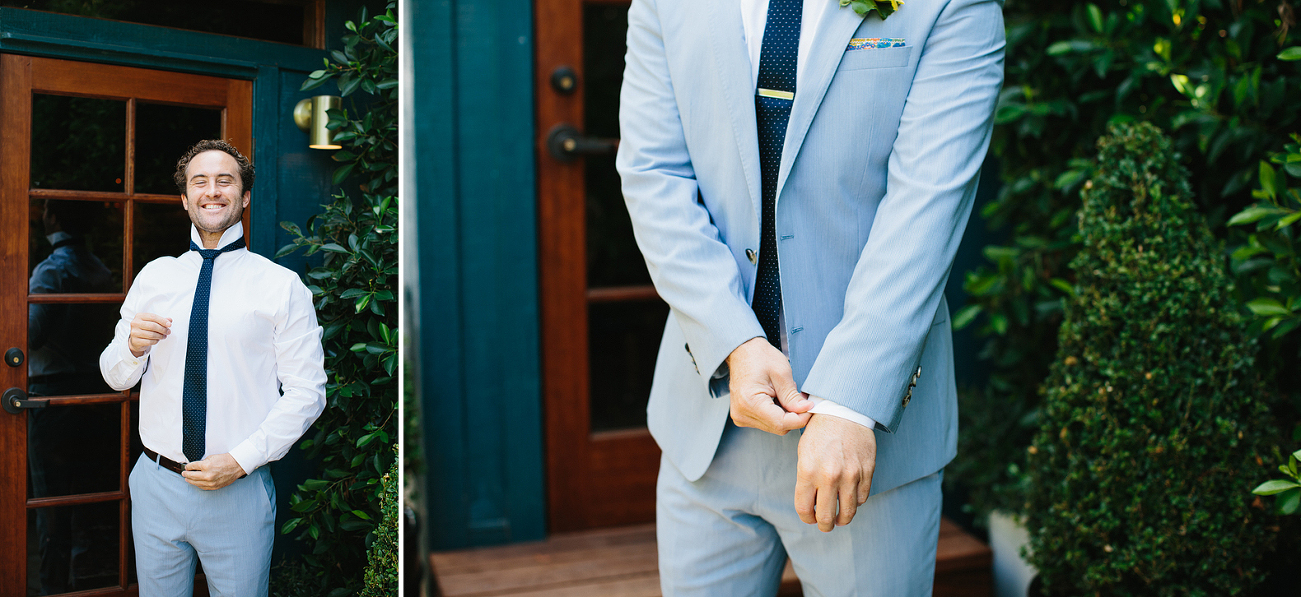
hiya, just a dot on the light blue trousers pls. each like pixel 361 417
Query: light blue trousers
pixel 176 525
pixel 729 532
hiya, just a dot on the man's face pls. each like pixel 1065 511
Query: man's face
pixel 213 196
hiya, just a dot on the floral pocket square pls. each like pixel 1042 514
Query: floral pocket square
pixel 872 43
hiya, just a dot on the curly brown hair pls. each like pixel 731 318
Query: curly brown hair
pixel 245 166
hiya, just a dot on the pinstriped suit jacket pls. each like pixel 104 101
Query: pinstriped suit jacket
pixel 878 173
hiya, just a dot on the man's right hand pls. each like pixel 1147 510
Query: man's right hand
pixel 146 330
pixel 764 395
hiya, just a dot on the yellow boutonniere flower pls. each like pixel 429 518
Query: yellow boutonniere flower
pixel 883 8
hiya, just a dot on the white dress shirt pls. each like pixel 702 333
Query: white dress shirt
pixel 754 16
pixel 266 375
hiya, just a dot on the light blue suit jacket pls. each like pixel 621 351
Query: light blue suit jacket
pixel 878 173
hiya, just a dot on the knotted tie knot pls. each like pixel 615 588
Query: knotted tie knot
pixel 209 254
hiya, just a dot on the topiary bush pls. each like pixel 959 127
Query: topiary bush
pixel 1208 71
pixel 1154 415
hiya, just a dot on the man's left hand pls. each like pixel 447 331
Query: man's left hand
pixel 213 472
pixel 836 460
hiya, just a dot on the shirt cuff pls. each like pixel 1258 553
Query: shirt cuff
pixel 130 359
pixel 247 457
pixel 823 406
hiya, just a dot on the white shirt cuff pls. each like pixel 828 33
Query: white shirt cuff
pixel 132 360
pixel 247 457
pixel 823 406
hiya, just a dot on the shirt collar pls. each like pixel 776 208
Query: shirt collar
pixel 56 237
pixel 229 236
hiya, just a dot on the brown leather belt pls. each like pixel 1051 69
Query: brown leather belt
pixel 164 462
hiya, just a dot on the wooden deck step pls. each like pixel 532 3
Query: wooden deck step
pixel 622 562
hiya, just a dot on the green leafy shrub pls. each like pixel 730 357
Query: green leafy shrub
pixel 354 289
pixel 1267 261
pixel 1288 490
pixel 1206 70
pixel 368 63
pixel 1154 417
pixel 382 569
pixel 1268 258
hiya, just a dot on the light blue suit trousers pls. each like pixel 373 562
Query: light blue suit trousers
pixel 878 174
pixel 729 532
pixel 176 525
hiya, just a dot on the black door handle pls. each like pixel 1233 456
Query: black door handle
pixel 15 400
pixel 566 143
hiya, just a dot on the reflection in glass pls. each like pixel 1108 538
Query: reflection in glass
pixel 76 548
pixel 161 230
pixel 78 143
pixel 163 133
pixel 623 340
pixel 72 245
pixel 612 255
pixel 64 339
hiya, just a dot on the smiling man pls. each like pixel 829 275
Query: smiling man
pixel 227 351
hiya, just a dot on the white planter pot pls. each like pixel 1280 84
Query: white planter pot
pixel 1012 574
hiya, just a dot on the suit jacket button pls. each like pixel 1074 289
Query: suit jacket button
pixel 752 256
pixel 907 397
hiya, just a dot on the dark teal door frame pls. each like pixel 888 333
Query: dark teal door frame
pixel 470 268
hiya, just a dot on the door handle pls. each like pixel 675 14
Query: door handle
pixel 566 143
pixel 15 400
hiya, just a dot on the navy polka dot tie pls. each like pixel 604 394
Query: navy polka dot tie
pixel 772 105
pixel 194 392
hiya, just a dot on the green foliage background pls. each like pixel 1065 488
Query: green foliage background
pixel 382 566
pixel 1268 256
pixel 1207 71
pixel 354 287
pixel 1155 417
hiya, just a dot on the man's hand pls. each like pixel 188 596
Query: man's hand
pixel 213 472
pixel 760 375
pixel 146 330
pixel 836 460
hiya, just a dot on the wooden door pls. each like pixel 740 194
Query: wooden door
pixel 87 153
pixel 601 317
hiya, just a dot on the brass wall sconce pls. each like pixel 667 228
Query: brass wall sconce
pixel 310 116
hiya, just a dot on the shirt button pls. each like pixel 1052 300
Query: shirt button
pixel 752 256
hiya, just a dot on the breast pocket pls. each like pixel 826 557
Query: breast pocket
pixel 875 58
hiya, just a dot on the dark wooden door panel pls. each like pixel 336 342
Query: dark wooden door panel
pixel 601 319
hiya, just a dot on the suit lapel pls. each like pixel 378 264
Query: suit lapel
pixel 732 66
pixel 833 34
